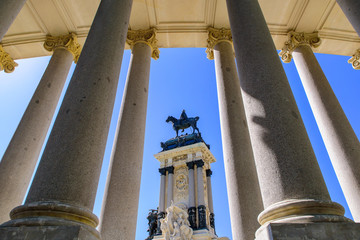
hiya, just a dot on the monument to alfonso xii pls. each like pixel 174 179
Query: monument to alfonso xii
pixel 274 184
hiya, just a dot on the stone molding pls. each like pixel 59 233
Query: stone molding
pixel 208 172
pixel 68 42
pixel 355 60
pixel 145 36
pixel 296 39
pixel 214 37
pixel 6 62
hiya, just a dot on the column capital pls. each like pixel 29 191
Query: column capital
pixel 68 42
pixel 145 36
pixel 170 169
pixel 199 163
pixel 296 39
pixel 215 36
pixel 162 171
pixel 6 62
pixel 190 165
pixel 208 172
pixel 355 60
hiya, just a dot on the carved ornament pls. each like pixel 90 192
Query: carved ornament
pixel 145 36
pixel 68 42
pixel 6 62
pixel 215 36
pixel 296 39
pixel 181 157
pixel 355 60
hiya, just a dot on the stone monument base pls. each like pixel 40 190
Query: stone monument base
pixel 47 233
pixel 318 231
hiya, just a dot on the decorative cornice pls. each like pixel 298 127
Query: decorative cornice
pixel 296 39
pixel 355 60
pixel 214 37
pixel 68 42
pixel 6 62
pixel 145 36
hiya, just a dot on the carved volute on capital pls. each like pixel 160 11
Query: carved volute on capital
pixel 355 60
pixel 215 36
pixel 6 62
pixel 68 42
pixel 145 36
pixel 296 39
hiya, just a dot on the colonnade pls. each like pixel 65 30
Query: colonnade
pixel 268 156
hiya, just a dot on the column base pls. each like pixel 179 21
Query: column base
pixel 47 232
pixel 318 231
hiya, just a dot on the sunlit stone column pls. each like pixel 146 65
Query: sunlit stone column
pixel 120 204
pixel 9 9
pixel 170 176
pixel 161 211
pixel 200 195
pixel 6 62
pixel 243 189
pixel 22 153
pixel 355 60
pixel 64 188
pixel 291 183
pixel 351 8
pixel 339 137
pixel 210 198
pixel 191 206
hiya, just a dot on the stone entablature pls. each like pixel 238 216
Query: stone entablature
pixel 296 39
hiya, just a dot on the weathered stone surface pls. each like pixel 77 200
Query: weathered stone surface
pixel 318 231
pixel 46 233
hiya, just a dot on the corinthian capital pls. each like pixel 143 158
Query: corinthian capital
pixel 216 36
pixel 68 42
pixel 145 36
pixel 296 39
pixel 355 60
pixel 6 62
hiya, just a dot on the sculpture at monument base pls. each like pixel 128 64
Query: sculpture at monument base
pixel 175 226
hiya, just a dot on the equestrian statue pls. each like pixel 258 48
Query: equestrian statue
pixel 183 123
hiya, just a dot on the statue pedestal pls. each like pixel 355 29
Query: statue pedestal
pixel 318 231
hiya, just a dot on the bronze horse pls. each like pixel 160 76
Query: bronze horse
pixel 183 124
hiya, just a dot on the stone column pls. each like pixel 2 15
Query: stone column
pixel 22 153
pixel 210 198
pixel 351 8
pixel 6 62
pixel 284 158
pixel 120 204
pixel 161 211
pixel 339 137
pixel 64 187
pixel 200 195
pixel 170 176
pixel 9 9
pixel 243 189
pixel 191 206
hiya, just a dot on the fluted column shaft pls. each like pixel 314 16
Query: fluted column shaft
pixel 170 177
pixel 283 154
pixel 351 8
pixel 161 211
pixel 9 9
pixel 191 205
pixel 243 189
pixel 339 137
pixel 67 177
pixel 22 153
pixel 200 195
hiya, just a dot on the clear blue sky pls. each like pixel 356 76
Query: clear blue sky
pixel 185 79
